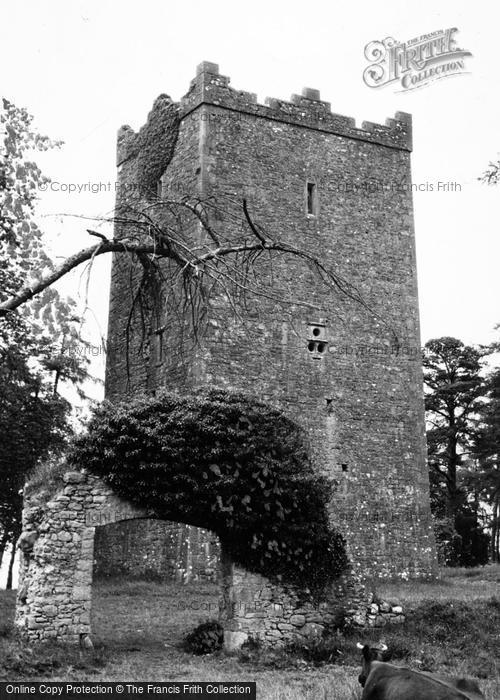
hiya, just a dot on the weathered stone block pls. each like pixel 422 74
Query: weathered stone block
pixel 234 640
pixel 73 477
pixel 33 624
pixel 359 619
pixel 81 593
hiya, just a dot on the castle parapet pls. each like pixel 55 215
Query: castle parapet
pixel 306 110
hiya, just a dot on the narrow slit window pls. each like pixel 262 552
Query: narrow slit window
pixel 158 346
pixel 311 198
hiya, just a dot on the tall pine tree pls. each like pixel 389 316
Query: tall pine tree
pixel 454 387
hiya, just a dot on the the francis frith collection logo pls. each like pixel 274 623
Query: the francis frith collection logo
pixel 414 63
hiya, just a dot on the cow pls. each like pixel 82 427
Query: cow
pixel 384 681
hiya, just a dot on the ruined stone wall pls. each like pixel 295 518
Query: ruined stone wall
pixel 153 549
pixel 358 392
pixel 255 608
pixel 56 569
pixel 141 158
pixel 57 554
pixel 139 343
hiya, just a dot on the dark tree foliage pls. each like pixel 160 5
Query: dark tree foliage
pixel 227 463
pixel 33 423
pixel 474 542
pixel 486 480
pixel 454 388
pixel 454 385
pixel 38 343
pixel 205 639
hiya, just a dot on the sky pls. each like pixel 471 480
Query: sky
pixel 83 68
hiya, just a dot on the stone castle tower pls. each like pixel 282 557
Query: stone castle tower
pixel 350 373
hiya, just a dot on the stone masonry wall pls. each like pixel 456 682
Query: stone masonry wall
pixel 154 549
pixel 255 608
pixel 57 555
pixel 55 577
pixel 359 391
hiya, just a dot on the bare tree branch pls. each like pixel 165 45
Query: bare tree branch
pixel 99 235
pixel 253 227
pixel 27 293
pixel 229 263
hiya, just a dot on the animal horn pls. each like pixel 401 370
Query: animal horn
pixel 360 646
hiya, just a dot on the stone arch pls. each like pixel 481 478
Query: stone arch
pixel 55 578
pixel 57 555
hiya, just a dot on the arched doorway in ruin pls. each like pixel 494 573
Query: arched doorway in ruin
pixel 56 570
pixel 154 581
pixel 58 554
pixel 218 460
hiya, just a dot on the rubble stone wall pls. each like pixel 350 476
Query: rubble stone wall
pixel 253 607
pixel 56 569
pixel 155 549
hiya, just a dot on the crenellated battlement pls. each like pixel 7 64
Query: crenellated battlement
pixel 306 110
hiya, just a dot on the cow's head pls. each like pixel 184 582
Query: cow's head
pixel 369 654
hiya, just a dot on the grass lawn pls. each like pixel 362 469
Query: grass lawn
pixel 452 626
pixel 455 584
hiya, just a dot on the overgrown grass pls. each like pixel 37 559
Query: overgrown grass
pixel 48 475
pixel 435 637
pixel 457 584
pixel 452 626
pixel 134 613
pixel 19 660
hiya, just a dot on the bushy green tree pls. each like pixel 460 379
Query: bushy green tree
pixel 225 462
pixel 39 342
pixel 33 423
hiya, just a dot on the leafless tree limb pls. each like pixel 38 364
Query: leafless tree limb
pixel 158 232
